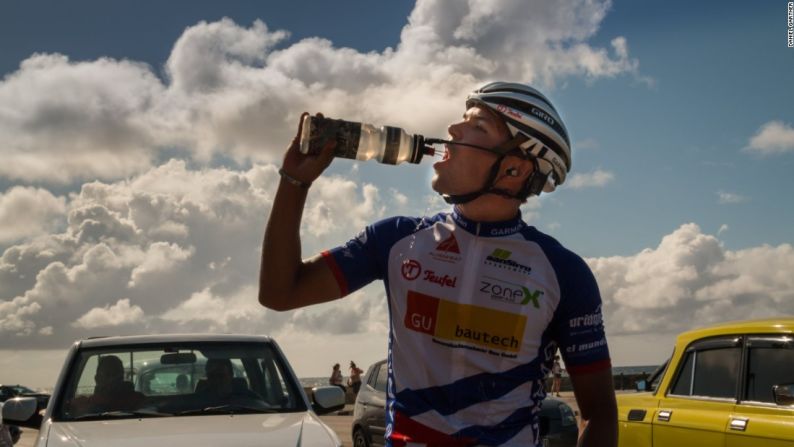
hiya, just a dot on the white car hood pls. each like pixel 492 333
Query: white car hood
pixel 284 429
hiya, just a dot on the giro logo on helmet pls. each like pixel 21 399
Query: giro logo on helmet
pixel 543 115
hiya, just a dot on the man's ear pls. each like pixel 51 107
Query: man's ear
pixel 517 168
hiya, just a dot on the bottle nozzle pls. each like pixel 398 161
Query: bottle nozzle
pixel 427 150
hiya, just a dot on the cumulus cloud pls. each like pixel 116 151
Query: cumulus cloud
pixel 63 120
pixel 690 279
pixel 27 212
pixel 115 315
pixel 595 179
pixel 238 91
pixel 172 249
pixel 774 137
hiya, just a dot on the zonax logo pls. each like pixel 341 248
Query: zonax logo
pixel 510 293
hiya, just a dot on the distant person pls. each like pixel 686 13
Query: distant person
pixel 556 372
pixel 336 377
pixel 182 384
pixel 355 377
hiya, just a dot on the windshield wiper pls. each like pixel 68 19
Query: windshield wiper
pixel 123 414
pixel 228 409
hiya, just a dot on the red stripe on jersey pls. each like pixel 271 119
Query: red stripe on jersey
pixel 340 277
pixel 407 430
pixel 590 367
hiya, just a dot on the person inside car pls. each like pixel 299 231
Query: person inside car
pixel 221 386
pixel 111 391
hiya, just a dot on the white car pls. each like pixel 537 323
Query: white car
pixel 179 390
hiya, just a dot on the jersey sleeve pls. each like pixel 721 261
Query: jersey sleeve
pixel 363 259
pixel 578 325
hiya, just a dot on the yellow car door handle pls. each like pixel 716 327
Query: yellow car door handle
pixel 739 424
pixel 664 415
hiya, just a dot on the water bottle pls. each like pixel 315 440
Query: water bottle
pixel 361 141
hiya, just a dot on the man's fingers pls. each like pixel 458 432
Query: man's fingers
pixel 327 153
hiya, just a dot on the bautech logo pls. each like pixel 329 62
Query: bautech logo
pixel 463 325
pixel 500 258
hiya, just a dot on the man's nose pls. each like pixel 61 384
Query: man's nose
pixel 454 130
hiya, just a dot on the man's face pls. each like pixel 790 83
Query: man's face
pixel 465 169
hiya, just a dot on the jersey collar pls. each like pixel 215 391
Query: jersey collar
pixel 488 229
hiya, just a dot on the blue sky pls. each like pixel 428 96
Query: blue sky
pixel 680 115
pixel 718 72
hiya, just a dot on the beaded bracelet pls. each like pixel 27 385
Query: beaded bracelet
pixel 293 180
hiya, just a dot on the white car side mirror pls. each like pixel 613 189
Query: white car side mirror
pixel 326 399
pixel 21 411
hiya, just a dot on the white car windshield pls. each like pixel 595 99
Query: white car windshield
pixel 178 379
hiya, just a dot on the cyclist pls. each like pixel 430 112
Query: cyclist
pixel 478 300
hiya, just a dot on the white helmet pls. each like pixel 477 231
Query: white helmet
pixel 530 115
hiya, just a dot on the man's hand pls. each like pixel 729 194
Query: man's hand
pixel 302 167
pixel 595 396
pixel 285 280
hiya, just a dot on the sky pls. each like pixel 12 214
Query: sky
pixel 140 144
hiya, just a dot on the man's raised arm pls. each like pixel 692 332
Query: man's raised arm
pixel 285 280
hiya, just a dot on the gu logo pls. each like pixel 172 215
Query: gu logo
pixel 422 313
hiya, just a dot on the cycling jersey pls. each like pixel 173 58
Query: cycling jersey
pixel 477 311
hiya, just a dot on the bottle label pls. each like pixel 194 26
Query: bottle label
pixel 322 130
pixel 392 149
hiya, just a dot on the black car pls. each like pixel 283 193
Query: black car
pixel 558 427
pixel 9 391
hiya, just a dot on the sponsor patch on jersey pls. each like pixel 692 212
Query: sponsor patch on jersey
pixel 439 279
pixel 507 292
pixel 594 319
pixel 447 250
pixel 411 269
pixel 465 323
pixel 500 258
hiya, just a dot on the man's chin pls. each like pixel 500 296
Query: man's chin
pixel 434 183
pixel 439 186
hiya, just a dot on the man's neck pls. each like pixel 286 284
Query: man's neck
pixel 490 208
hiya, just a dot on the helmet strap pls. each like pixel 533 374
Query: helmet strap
pixel 533 185
pixel 457 199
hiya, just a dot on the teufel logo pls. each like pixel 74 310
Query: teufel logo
pixel 449 244
pixel 411 269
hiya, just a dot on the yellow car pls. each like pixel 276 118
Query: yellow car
pixel 728 385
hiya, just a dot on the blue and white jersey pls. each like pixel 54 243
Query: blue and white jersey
pixel 477 311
